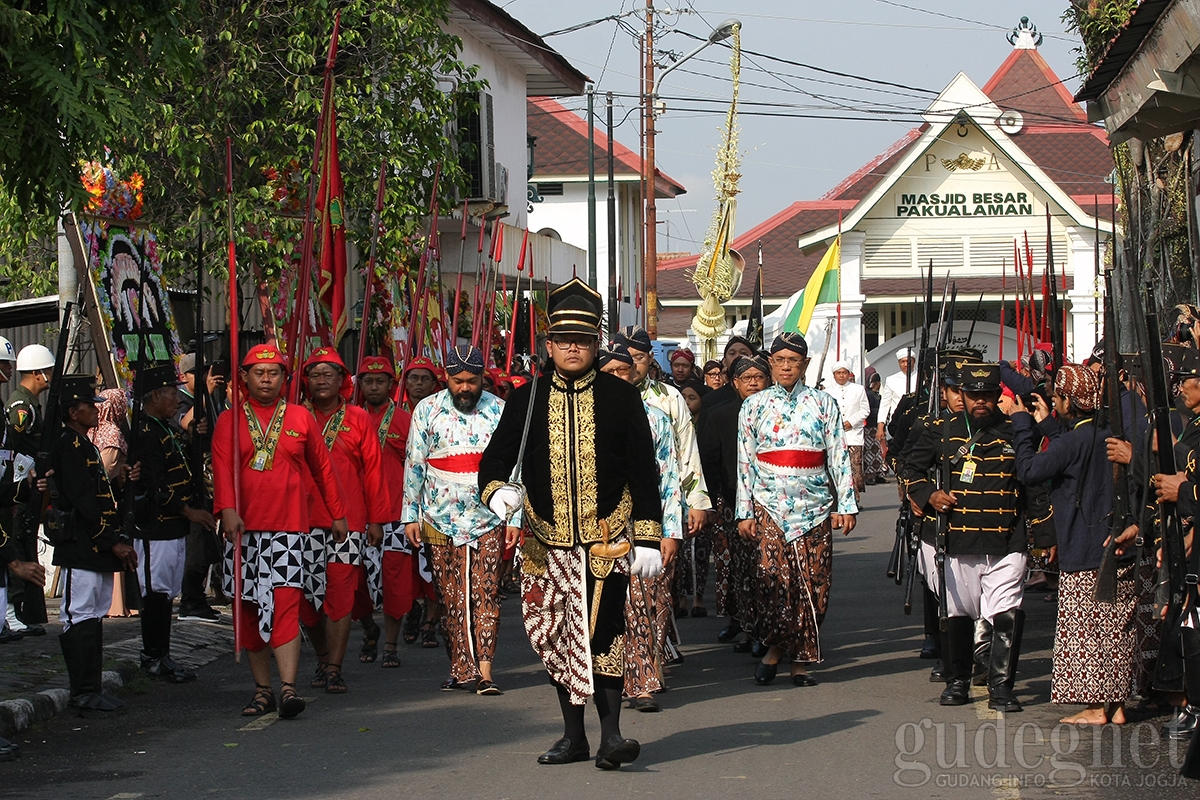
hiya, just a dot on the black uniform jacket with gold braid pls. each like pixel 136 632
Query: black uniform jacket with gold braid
pixel 91 524
pixel 985 519
pixel 589 457
pixel 166 484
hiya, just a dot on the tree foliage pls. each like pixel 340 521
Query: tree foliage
pixel 259 81
pixel 157 89
pixel 1096 22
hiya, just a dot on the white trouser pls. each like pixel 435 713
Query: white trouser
pixel 980 587
pixel 86 595
pixel 167 559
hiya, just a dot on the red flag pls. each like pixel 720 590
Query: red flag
pixel 331 280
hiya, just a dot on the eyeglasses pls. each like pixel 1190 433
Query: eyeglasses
pixel 415 378
pixel 752 377
pixel 787 362
pixel 572 344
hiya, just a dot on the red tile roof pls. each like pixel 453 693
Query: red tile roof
pixel 785 268
pixel 562 147
pixel 1056 137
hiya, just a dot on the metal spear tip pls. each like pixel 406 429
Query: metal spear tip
pixel 723 31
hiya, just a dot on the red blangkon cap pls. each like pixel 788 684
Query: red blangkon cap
pixel 376 365
pixel 264 354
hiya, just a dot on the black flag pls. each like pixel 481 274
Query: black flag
pixel 754 327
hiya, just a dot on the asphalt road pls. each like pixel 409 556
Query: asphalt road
pixel 872 728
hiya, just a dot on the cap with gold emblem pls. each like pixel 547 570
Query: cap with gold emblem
pixel 264 354
pixel 78 389
pixel 376 365
pixel 980 378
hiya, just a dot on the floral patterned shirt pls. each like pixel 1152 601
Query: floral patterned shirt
pixel 674 509
pixel 449 499
pixel 668 400
pixel 797 498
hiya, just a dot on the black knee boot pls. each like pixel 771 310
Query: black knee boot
pixel 933 630
pixel 1006 650
pixel 983 652
pixel 614 750
pixel 83 650
pixel 1183 726
pixel 957 651
pixel 573 746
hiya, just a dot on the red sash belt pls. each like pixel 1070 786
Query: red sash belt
pixel 466 462
pixel 796 459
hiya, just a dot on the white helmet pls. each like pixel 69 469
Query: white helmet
pixel 34 357
pixel 6 350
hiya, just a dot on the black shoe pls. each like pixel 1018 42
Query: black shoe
pixel 938 673
pixel 765 673
pixel 647 704
pixel 203 614
pixel 957 693
pixel 730 631
pixel 680 612
pixel 1183 727
pixel 34 630
pixel 487 689
pixel 803 679
pixel 8 636
pixel 617 751
pixel 564 752
pixel 449 685
pixel 9 750
pixel 758 649
pixel 699 611
pixel 742 647
pixel 930 649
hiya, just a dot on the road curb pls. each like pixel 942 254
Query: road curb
pixel 18 716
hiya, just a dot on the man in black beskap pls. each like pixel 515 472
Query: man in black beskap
pixel 985 539
pixel 89 545
pixel 164 513
pixel 592 479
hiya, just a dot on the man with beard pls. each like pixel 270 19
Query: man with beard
pixel 985 547
pixel 335 572
pixel 165 513
pixel 733 555
pixel 648 611
pixel 442 508
pixel 590 491
pixel 794 487
pixel 279 445
pixel 392 568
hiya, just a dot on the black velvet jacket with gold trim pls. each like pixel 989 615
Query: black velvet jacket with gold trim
pixel 589 458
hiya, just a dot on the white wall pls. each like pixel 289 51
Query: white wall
pixel 506 83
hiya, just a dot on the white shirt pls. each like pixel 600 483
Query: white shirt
pixel 894 387
pixel 854 407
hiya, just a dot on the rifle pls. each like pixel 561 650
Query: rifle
pixel 943 524
pixel 200 404
pixel 1106 579
pixel 824 352
pixel 129 498
pixel 35 509
pixel 1172 589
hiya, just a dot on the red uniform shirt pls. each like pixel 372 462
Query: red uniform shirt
pixel 395 446
pixel 358 466
pixel 273 499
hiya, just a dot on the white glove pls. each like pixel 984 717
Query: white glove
pixel 647 563
pixel 505 502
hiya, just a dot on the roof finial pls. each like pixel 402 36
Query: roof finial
pixel 1025 36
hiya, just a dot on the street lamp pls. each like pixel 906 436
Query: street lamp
pixel 719 34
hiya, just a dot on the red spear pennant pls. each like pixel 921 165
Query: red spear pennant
pixel 235 357
pixel 331 279
pixel 297 329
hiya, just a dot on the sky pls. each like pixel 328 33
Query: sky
pixel 919 44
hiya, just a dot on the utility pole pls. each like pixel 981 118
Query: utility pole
pixel 651 266
pixel 614 307
pixel 591 199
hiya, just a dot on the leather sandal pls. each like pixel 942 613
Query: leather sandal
pixel 333 681
pixel 320 676
pixel 290 703
pixel 429 635
pixel 370 646
pixel 391 659
pixel 263 702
